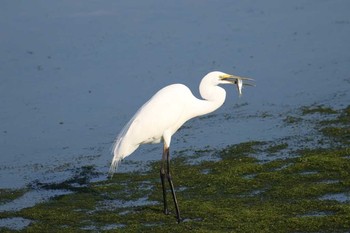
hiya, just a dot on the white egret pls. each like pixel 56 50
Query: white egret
pixel 160 117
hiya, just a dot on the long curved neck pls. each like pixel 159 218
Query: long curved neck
pixel 213 97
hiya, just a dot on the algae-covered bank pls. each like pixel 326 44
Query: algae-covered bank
pixel 302 188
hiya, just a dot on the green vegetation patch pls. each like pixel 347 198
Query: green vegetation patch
pixel 235 193
pixel 7 195
pixel 338 128
pixel 318 109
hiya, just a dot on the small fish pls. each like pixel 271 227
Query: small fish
pixel 239 84
pixel 239 81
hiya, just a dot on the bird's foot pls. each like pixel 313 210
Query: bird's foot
pixel 179 220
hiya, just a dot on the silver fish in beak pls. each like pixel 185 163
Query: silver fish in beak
pixel 239 84
pixel 239 81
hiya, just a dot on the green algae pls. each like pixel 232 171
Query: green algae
pixel 235 193
pixel 292 120
pixel 338 128
pixel 278 147
pixel 318 109
pixel 7 195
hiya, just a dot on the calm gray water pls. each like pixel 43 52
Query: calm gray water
pixel 73 72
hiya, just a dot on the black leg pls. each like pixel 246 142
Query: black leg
pixel 162 178
pixel 166 150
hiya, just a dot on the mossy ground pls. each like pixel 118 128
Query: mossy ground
pixel 7 195
pixel 236 193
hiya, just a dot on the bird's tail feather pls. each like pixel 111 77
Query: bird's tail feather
pixel 116 158
pixel 113 168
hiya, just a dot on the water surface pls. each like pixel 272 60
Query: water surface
pixel 73 73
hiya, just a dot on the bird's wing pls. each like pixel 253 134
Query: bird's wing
pixel 117 155
pixel 160 113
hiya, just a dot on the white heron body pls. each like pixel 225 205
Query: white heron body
pixel 160 117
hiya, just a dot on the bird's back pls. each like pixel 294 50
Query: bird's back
pixel 165 111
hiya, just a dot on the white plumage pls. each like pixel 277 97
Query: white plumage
pixel 160 117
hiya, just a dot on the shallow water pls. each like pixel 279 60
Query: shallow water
pixel 31 198
pixel 72 74
pixel 14 223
